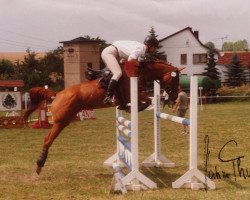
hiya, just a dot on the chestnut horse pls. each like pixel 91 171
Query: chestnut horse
pixel 90 95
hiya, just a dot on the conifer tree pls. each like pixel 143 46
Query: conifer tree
pixel 158 55
pixel 211 70
pixel 236 73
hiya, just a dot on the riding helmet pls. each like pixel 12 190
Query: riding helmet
pixel 151 41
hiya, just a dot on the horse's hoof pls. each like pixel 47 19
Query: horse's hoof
pixel 38 170
pixel 34 177
pixel 122 107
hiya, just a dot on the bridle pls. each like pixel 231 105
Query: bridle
pixel 170 89
pixel 174 75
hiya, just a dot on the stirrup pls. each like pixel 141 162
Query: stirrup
pixel 108 100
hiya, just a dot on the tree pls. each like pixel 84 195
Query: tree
pixel 53 63
pixel 6 69
pixel 211 70
pixel 44 71
pixel 31 72
pixel 236 73
pixel 227 46
pixel 240 45
pixel 210 45
pixel 158 55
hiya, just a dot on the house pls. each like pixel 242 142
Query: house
pixel 184 48
pixel 225 58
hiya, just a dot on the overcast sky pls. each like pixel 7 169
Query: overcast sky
pixel 42 24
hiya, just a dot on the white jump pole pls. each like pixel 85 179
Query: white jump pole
pixel 134 180
pixel 193 123
pixel 26 95
pixel 193 178
pixel 134 120
pixel 157 159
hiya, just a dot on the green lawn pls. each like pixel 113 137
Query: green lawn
pixel 74 168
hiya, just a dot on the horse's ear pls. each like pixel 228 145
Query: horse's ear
pixel 181 68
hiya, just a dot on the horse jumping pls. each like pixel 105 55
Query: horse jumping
pixel 89 95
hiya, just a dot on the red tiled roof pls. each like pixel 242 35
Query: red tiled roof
pixel 227 57
pixel 12 83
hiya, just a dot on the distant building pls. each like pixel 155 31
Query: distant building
pixel 184 48
pixel 225 59
pixel 79 54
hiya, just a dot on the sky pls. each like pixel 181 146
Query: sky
pixel 41 24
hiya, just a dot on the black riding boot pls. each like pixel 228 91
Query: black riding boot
pixel 110 92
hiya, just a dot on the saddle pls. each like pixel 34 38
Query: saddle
pixel 104 75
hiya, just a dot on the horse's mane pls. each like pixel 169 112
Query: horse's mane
pixel 153 68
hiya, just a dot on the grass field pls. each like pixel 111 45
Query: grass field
pixel 74 168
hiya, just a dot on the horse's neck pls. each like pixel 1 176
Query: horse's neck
pixel 158 71
pixel 150 75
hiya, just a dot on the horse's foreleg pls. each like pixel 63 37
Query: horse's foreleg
pixel 143 101
pixel 56 129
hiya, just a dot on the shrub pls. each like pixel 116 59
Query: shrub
pixel 235 91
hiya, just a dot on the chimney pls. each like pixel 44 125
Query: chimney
pixel 196 34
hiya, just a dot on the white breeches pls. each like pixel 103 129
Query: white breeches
pixel 109 56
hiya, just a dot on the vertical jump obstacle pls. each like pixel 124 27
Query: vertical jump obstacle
pixel 127 149
pixel 157 159
pixel 193 178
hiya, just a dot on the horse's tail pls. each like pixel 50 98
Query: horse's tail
pixel 37 96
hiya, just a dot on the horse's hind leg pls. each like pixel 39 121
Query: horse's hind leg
pixel 28 113
pixel 56 129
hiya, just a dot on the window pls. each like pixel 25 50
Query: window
pixel 199 58
pixel 183 59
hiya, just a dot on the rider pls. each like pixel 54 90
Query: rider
pixel 124 50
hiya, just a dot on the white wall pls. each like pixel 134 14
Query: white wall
pixel 184 43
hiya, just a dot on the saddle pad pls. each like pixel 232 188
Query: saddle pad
pixel 131 69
